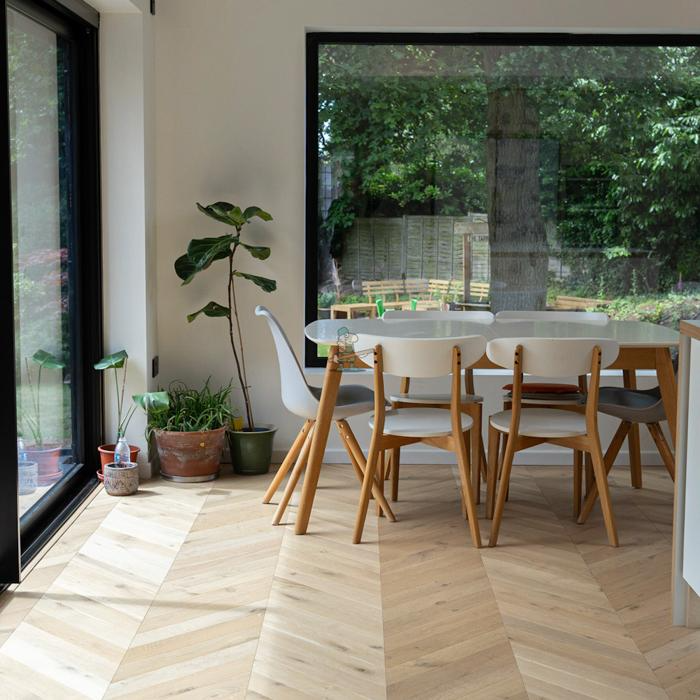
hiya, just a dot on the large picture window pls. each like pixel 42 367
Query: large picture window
pixel 503 172
pixel 50 305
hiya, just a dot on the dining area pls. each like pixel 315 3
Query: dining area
pixel 557 366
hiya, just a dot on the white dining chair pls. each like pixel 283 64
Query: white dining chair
pixel 593 317
pixel 425 358
pixel 566 396
pixel 472 403
pixel 549 358
pixel 302 400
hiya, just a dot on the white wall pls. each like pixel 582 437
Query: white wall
pixel 230 125
pixel 126 83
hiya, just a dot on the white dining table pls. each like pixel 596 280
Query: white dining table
pixel 643 346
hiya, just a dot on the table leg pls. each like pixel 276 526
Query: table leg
pixel 629 377
pixel 324 416
pixel 669 390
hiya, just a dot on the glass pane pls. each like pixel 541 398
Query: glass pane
pixel 41 207
pixel 509 177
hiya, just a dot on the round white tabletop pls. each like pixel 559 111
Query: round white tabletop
pixel 627 333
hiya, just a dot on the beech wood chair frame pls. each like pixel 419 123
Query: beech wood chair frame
pixel 455 442
pixel 582 444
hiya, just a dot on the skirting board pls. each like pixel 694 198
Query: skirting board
pixel 551 457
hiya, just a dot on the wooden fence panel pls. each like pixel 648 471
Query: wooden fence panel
pixel 415 247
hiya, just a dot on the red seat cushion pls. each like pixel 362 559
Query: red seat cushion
pixel 543 388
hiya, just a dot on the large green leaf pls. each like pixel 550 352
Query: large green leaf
pixel 224 212
pixel 201 253
pixel 251 212
pixel 152 399
pixel 212 309
pixel 185 268
pixel 261 252
pixel 115 360
pixel 46 359
pixel 265 283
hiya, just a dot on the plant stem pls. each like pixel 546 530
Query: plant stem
pixel 121 397
pixel 38 408
pixel 231 306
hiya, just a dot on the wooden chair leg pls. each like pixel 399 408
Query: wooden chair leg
pixel 345 439
pixel 663 447
pixel 601 479
pixel 578 479
pixel 289 460
pixel 351 444
pixel 368 484
pixel 294 478
pixel 609 460
pixel 492 470
pixel 381 478
pixel 395 466
pixel 502 489
pixel 387 469
pixel 469 499
pixel 475 459
pixel 629 377
pixel 590 476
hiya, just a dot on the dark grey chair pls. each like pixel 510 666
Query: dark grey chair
pixel 632 407
pixel 636 406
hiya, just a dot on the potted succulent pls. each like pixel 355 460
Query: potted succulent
pixel 251 446
pixel 190 430
pixel 46 455
pixel 115 362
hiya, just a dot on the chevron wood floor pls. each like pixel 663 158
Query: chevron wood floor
pixel 187 591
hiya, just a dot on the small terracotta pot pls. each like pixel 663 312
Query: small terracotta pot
pixel 107 456
pixel 190 456
pixel 48 459
pixel 121 479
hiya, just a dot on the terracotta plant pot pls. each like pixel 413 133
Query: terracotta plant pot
pixel 121 480
pixel 48 459
pixel 190 456
pixel 251 451
pixel 28 478
pixel 107 456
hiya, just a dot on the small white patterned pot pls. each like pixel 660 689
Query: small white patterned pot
pixel 121 479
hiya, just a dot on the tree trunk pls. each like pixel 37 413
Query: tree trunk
pixel 517 238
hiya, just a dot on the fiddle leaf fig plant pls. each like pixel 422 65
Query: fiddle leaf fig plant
pixel 202 252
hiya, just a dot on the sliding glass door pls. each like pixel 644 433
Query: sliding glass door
pixel 52 240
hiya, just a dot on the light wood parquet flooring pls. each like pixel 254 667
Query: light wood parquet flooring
pixel 187 591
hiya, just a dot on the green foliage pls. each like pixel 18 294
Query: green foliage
pixel 31 418
pixel 406 126
pixel 190 410
pixel 116 360
pixel 202 252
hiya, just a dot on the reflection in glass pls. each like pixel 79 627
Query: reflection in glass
pixel 509 177
pixel 41 228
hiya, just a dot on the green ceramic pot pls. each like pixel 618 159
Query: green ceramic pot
pixel 251 452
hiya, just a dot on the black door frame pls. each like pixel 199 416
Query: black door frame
pixel 19 542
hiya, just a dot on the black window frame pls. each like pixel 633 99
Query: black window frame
pixel 78 22
pixel 315 39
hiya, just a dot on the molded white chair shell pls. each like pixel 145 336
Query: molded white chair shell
pixel 422 357
pixel 552 357
pixel 593 317
pixel 543 422
pixel 300 398
pixel 417 315
pixel 420 422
